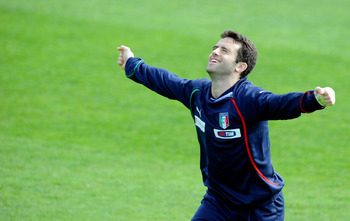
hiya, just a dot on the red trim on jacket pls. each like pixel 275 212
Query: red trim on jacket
pixel 247 146
pixel 301 100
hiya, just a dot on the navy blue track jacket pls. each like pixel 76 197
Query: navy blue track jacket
pixel 232 130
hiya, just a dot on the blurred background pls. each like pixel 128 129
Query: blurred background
pixel 79 141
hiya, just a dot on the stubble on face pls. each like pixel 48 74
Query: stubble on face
pixel 222 60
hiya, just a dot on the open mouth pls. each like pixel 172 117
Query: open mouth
pixel 214 60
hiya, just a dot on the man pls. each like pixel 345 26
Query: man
pixel 231 115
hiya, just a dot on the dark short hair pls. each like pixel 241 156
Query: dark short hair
pixel 247 53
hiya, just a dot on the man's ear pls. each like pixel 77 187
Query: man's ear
pixel 240 67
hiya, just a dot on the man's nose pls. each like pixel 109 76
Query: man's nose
pixel 215 52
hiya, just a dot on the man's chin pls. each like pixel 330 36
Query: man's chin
pixel 210 70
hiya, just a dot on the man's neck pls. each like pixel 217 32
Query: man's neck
pixel 220 84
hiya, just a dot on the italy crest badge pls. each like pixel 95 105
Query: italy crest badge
pixel 223 120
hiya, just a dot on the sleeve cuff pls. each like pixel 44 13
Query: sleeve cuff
pixel 131 66
pixel 309 103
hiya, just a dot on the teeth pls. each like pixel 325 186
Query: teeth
pixel 214 60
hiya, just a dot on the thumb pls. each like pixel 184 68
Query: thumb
pixel 123 48
pixel 125 52
pixel 319 90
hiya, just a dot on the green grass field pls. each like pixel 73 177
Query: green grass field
pixel 79 141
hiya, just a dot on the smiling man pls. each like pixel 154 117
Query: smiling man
pixel 231 117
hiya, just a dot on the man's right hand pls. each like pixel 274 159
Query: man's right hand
pixel 125 54
pixel 325 96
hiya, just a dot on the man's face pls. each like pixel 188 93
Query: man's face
pixel 222 60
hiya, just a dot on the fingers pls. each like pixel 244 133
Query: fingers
pixel 120 59
pixel 125 54
pixel 325 95
pixel 329 96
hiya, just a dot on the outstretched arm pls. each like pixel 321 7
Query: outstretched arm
pixel 325 96
pixel 265 105
pixel 125 54
pixel 159 80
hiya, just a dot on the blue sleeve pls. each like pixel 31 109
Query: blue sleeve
pixel 266 105
pixel 161 81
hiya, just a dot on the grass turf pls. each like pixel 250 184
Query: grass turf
pixel 78 141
